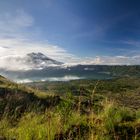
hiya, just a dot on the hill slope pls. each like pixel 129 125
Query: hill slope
pixel 84 112
pixel 16 99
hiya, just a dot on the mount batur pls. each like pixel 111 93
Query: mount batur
pixel 38 67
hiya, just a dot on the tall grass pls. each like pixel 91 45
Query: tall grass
pixel 113 122
pixel 68 121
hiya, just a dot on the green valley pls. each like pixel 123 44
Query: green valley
pixel 77 110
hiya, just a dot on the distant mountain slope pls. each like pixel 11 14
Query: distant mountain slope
pixel 39 60
pixel 38 67
pixel 30 61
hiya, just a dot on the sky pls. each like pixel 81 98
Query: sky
pixel 72 31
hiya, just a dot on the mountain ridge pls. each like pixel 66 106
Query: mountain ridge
pixel 30 61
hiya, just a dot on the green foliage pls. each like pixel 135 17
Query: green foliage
pixel 78 114
pixel 112 121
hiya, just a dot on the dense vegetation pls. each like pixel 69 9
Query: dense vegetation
pixel 75 110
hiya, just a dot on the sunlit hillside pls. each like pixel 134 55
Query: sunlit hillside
pixel 79 110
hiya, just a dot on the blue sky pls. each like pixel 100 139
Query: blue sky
pixel 73 30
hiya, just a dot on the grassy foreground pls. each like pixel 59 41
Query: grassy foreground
pixel 27 114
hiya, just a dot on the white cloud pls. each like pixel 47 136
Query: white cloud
pixel 22 47
pixel 15 42
pixel 65 78
pixel 113 60
pixel 13 51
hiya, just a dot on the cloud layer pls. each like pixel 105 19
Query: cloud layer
pixel 16 40
pixel 13 55
pixel 113 60
pixel 13 52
